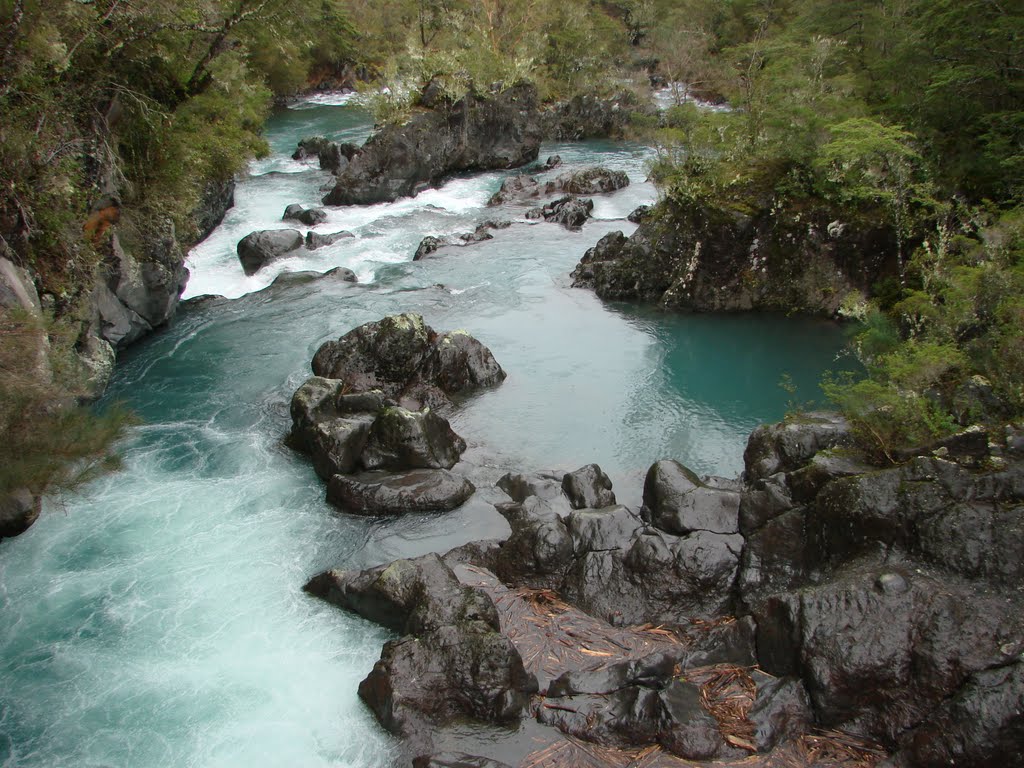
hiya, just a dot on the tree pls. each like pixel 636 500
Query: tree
pixel 871 162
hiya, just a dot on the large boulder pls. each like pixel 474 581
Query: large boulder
pixel 479 132
pixel 607 560
pixel 408 360
pixel 384 493
pixel 451 662
pixel 257 249
pixel 677 501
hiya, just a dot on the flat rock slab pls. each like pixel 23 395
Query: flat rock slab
pixel 553 637
pixel 378 493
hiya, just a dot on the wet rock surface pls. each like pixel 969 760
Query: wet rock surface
pixel 593 180
pixel 571 212
pixel 451 660
pixel 882 605
pixel 257 249
pixel 316 240
pixel 370 426
pixel 694 256
pixel 479 132
pixel 409 361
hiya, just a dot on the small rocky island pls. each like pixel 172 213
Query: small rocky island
pixel 370 419
pixel 818 610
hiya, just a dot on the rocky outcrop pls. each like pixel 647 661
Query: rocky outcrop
pixel 18 510
pixel 697 256
pixel 888 592
pixel 479 132
pixel 571 212
pixel 880 603
pixel 589 116
pixel 586 181
pixel 451 661
pixel 619 565
pixel 142 276
pixel 257 249
pixel 332 156
pixel 408 361
pixel 378 456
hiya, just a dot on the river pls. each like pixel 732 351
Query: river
pixel 157 618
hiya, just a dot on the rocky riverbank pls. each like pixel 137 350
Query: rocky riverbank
pixel 711 257
pixel 728 620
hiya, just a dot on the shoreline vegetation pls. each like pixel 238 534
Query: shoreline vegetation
pixel 868 165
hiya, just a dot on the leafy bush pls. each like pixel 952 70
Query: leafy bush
pixel 51 444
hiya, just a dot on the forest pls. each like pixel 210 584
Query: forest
pixel 909 112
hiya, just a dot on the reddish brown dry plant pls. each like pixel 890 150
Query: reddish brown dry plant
pixel 728 692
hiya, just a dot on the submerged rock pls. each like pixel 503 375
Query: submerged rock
pixel 316 240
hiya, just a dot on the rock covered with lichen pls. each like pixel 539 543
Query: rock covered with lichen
pixel 696 255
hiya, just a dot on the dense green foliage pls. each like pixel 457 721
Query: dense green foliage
pixel 110 106
pixel 48 445
pixel 908 112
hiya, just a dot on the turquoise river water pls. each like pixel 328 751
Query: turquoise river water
pixel 157 618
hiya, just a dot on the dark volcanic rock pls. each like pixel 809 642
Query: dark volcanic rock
pixel 427 246
pixel 451 662
pixel 586 181
pixel 401 439
pixel 608 248
pixel 571 212
pixel 381 493
pixel 781 710
pixel 455 760
pixel 588 487
pixel 334 437
pixel 676 501
pixel 257 249
pixel 698 256
pixel 308 216
pixel 671 715
pixel 640 213
pixel 316 240
pixel 592 181
pixel 607 561
pixel 405 358
pixel 889 593
pixel 333 156
pixel 477 133
pixel 18 510
pixel 790 444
